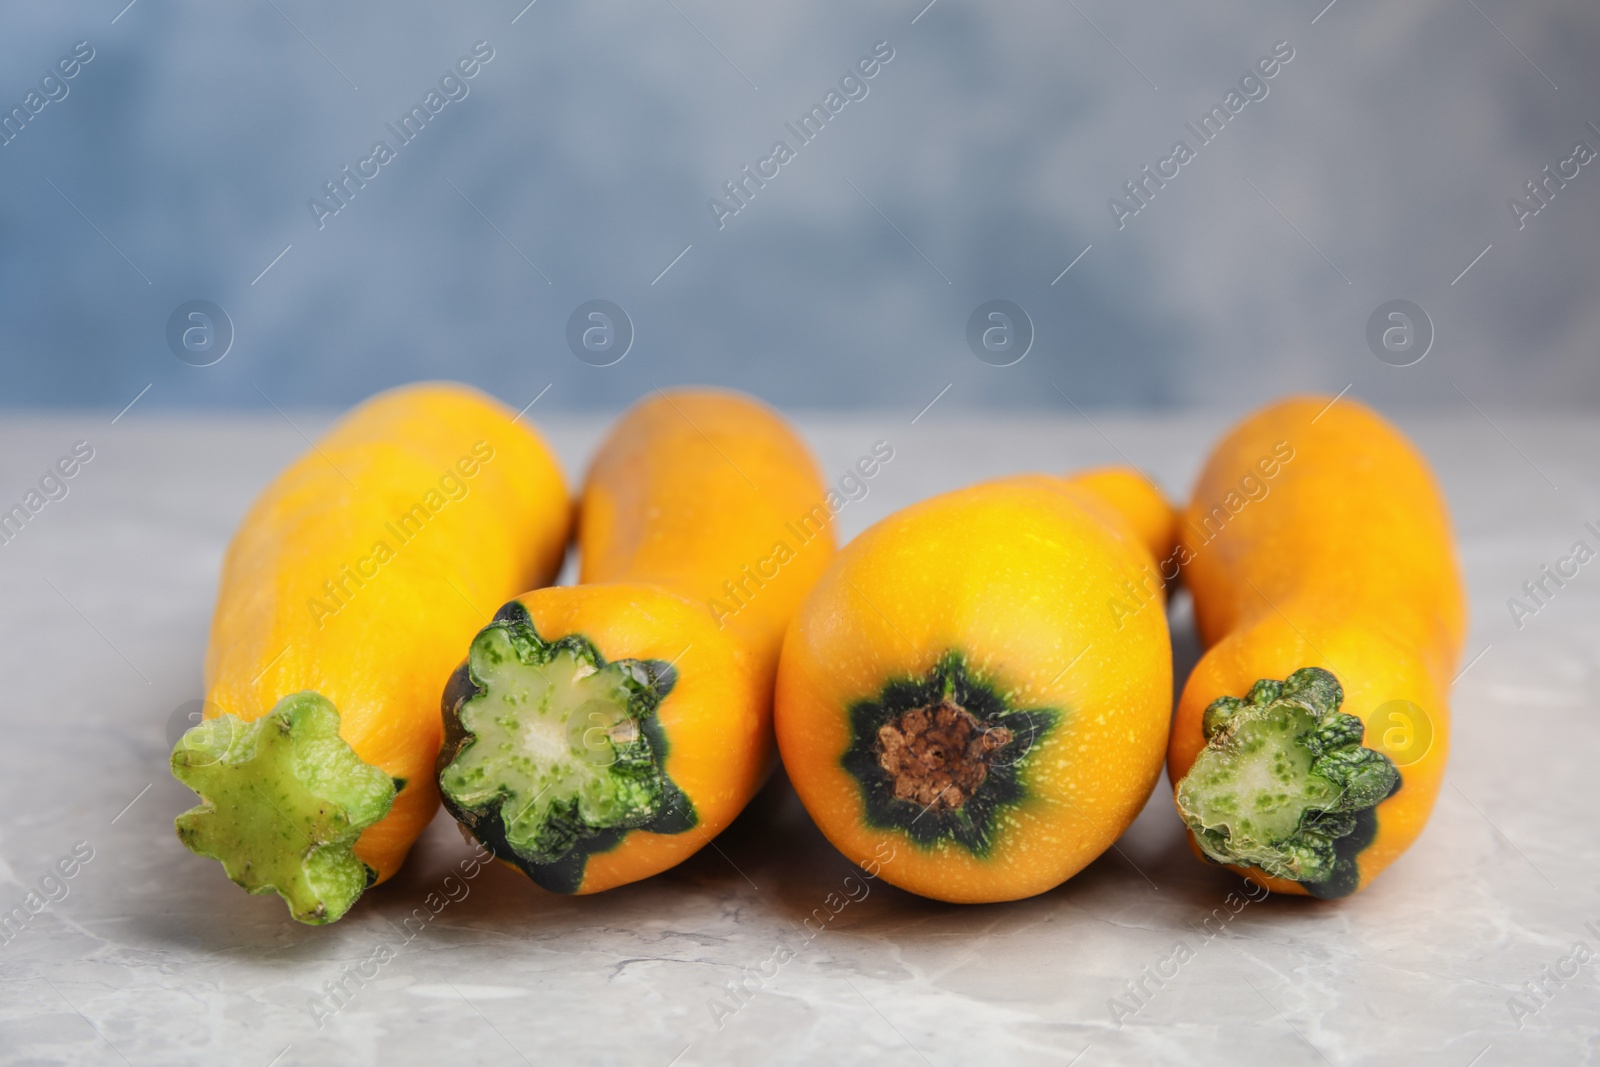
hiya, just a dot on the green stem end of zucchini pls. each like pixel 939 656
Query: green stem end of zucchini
pixel 552 753
pixel 1285 785
pixel 284 799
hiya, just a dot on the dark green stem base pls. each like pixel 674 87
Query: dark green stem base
pixel 553 754
pixel 284 799
pixel 1284 783
pixel 940 758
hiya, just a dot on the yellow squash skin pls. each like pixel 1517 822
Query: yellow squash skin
pixel 1138 506
pixel 1019 578
pixel 703 524
pixel 471 507
pixel 693 491
pixel 1317 538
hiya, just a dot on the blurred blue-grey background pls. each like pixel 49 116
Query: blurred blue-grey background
pixel 578 163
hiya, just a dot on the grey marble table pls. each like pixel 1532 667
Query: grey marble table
pixel 152 957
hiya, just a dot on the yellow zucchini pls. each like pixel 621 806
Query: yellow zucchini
pixel 346 596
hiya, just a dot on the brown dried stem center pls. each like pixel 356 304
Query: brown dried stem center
pixel 939 755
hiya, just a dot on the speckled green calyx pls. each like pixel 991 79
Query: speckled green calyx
pixel 283 799
pixel 941 758
pixel 552 753
pixel 1284 783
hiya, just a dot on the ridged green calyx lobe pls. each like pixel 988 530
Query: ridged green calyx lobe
pixel 1284 783
pixel 552 753
pixel 284 799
